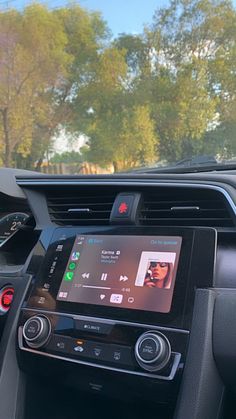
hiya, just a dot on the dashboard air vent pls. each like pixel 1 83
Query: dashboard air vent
pixel 80 207
pixel 186 207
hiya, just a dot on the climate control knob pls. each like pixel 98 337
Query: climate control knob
pixel 36 331
pixel 152 351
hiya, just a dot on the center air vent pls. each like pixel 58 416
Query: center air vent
pixel 76 207
pixel 178 206
pixel 163 205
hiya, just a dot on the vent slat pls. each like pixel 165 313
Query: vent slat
pixel 67 213
pixel 184 202
pixel 86 204
pixel 72 220
pixel 188 222
pixel 185 211
pixel 77 198
pixel 187 219
pixel 62 208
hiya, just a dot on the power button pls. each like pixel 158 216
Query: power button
pixel 6 297
pixel 36 331
pixel 152 351
pixel 32 329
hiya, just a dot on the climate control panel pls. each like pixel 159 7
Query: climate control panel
pixel 128 347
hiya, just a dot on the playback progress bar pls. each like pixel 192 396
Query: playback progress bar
pixel 93 286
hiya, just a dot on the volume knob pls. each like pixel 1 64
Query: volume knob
pixel 36 331
pixel 152 351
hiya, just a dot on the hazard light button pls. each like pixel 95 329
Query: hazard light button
pixel 125 209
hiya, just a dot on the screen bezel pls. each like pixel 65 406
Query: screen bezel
pixel 184 282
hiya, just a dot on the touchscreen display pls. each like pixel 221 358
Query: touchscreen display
pixel 135 272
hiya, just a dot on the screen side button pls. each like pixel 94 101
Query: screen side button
pixel 93 327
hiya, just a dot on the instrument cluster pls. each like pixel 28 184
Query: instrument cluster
pixel 10 223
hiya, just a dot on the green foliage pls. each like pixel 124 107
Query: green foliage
pixel 138 142
pixel 197 39
pixel 32 60
pixel 135 51
pixel 134 142
pixel 67 157
pixel 43 55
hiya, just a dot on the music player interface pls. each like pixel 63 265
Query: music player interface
pixel 136 272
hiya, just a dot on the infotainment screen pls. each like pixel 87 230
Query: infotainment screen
pixel 135 272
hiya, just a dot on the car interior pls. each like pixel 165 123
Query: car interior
pixel 117 295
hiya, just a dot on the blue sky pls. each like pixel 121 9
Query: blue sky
pixel 125 15
pixel 121 15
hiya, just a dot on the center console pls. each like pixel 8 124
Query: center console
pixel 118 298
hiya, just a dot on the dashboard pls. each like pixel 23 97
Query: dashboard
pixel 117 291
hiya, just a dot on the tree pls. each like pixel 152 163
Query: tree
pixel 136 51
pixel 194 42
pixel 98 105
pixel 86 34
pixel 32 59
pixel 168 93
pixel 126 139
pixel 138 141
pixel 67 157
pixel 44 57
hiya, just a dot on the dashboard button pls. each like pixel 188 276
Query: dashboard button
pixel 93 327
pixel 6 297
pixel 152 351
pixel 115 354
pixel 32 329
pixel 123 206
pixel 59 343
pixel 149 349
pixel 126 207
pixel 89 349
pixel 120 355
pixel 78 347
pixel 36 331
pixel 97 350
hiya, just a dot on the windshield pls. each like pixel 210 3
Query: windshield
pixel 101 86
